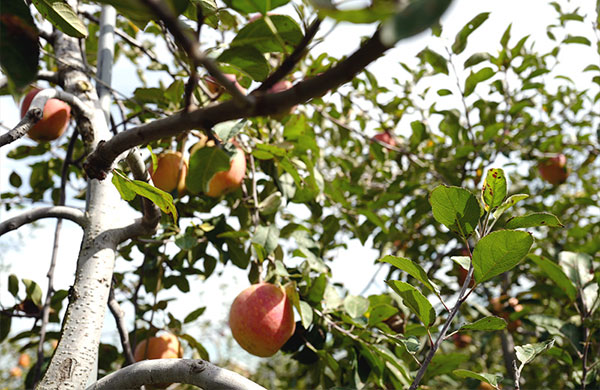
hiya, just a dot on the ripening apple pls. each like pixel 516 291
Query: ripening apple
pixel 165 346
pixel 24 360
pixel 16 372
pixel 54 122
pixel 217 89
pixel 462 340
pixel 224 181
pixel 281 86
pixel 554 169
pixel 262 319
pixel 168 175
pixel 386 137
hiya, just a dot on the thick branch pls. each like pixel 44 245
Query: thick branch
pixel 70 213
pixel 99 163
pixel 194 372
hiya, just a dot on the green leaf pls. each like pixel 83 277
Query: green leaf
pixel 270 204
pixel 306 314
pixel 526 353
pixel 463 261
pixel 413 269
pixel 18 43
pixel 251 6
pixel 579 268
pixel 193 315
pixel 381 312
pixel 33 290
pixel 556 274
pixel 508 203
pixel 129 188
pixel 204 164
pixel 260 36
pixel 445 363
pixel 533 220
pixel 577 39
pixel 456 208
pixel 460 42
pixel 486 323
pixel 247 59
pixel 416 17
pixel 62 16
pixel 13 285
pixel 376 12
pixel 493 190
pixel 356 306
pixel 492 379
pixel 415 301
pixel 411 343
pixel 476 59
pixel 267 237
pixel 444 92
pixel 5 321
pixel 499 252
pixel 15 180
pixel 437 61
pixel 476 78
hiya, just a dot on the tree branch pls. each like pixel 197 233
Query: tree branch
pixel 99 163
pixel 118 314
pixel 189 371
pixel 70 213
pixel 36 112
pixel 192 48
pixel 288 64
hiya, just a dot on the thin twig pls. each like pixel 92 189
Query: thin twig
pixel 119 317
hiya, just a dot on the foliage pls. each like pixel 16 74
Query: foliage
pixel 456 115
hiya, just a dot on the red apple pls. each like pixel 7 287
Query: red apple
pixel 54 122
pixel 386 137
pixel 462 340
pixel 217 89
pixel 224 181
pixel 262 319
pixel 554 169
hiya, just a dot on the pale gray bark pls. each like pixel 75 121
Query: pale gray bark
pixel 194 372
pixel 74 360
pixel 70 213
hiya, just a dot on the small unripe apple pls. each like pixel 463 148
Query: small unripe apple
pixel 168 176
pixel 54 121
pixel 262 319
pixel 554 169
pixel 217 89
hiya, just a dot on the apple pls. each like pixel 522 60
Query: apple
pixel 224 181
pixel 54 121
pixel 16 372
pixel 165 346
pixel 24 360
pixel 217 89
pixel 262 319
pixel 485 386
pixel 167 176
pixel 503 307
pixel 281 86
pixel 462 340
pixel 554 169
pixel 386 137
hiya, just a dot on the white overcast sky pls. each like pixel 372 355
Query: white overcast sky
pixel 26 252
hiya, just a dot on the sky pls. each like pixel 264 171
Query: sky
pixel 26 252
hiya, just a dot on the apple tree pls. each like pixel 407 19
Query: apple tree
pixel 472 171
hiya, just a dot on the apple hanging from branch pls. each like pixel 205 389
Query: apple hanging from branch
pixel 54 122
pixel 554 169
pixel 170 173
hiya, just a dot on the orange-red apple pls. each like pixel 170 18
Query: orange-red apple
pixel 554 169
pixel 24 360
pixel 386 137
pixel 16 372
pixel 262 319
pixel 165 346
pixel 224 181
pixel 462 340
pixel 168 175
pixel 54 121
